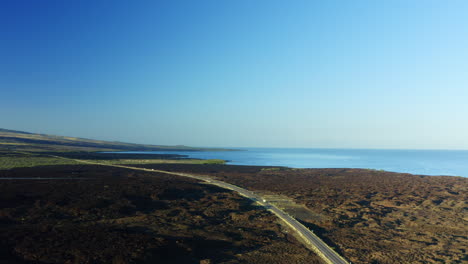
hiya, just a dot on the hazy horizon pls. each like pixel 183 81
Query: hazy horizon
pixel 335 74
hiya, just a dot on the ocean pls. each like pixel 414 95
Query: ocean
pixel 426 162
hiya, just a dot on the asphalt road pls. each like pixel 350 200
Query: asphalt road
pixel 310 239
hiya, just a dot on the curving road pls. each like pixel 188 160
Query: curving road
pixel 310 239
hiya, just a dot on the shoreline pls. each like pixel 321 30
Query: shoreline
pixel 252 159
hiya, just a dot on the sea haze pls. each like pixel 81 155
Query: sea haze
pixel 427 162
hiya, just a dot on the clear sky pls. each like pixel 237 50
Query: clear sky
pixel 338 74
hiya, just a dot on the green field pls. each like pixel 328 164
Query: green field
pixel 160 161
pixel 19 160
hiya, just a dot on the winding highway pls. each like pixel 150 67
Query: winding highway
pixel 311 240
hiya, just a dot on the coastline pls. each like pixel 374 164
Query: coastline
pixel 419 162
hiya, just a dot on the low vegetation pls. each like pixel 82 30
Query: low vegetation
pixel 272 169
pixel 19 160
pixel 159 161
pixel 25 161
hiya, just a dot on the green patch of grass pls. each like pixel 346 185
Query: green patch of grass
pixel 21 159
pixel 271 169
pixel 19 162
pixel 212 161
pixel 160 161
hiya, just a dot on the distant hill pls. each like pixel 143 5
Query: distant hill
pixel 11 140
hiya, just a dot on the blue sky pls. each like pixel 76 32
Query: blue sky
pixel 338 74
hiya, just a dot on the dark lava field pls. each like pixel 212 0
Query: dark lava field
pixel 369 216
pixel 97 214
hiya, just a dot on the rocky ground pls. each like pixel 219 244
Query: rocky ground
pixel 369 216
pixel 96 214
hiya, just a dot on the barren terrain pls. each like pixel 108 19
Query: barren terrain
pixel 97 214
pixel 369 216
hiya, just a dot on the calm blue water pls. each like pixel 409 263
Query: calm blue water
pixel 428 162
